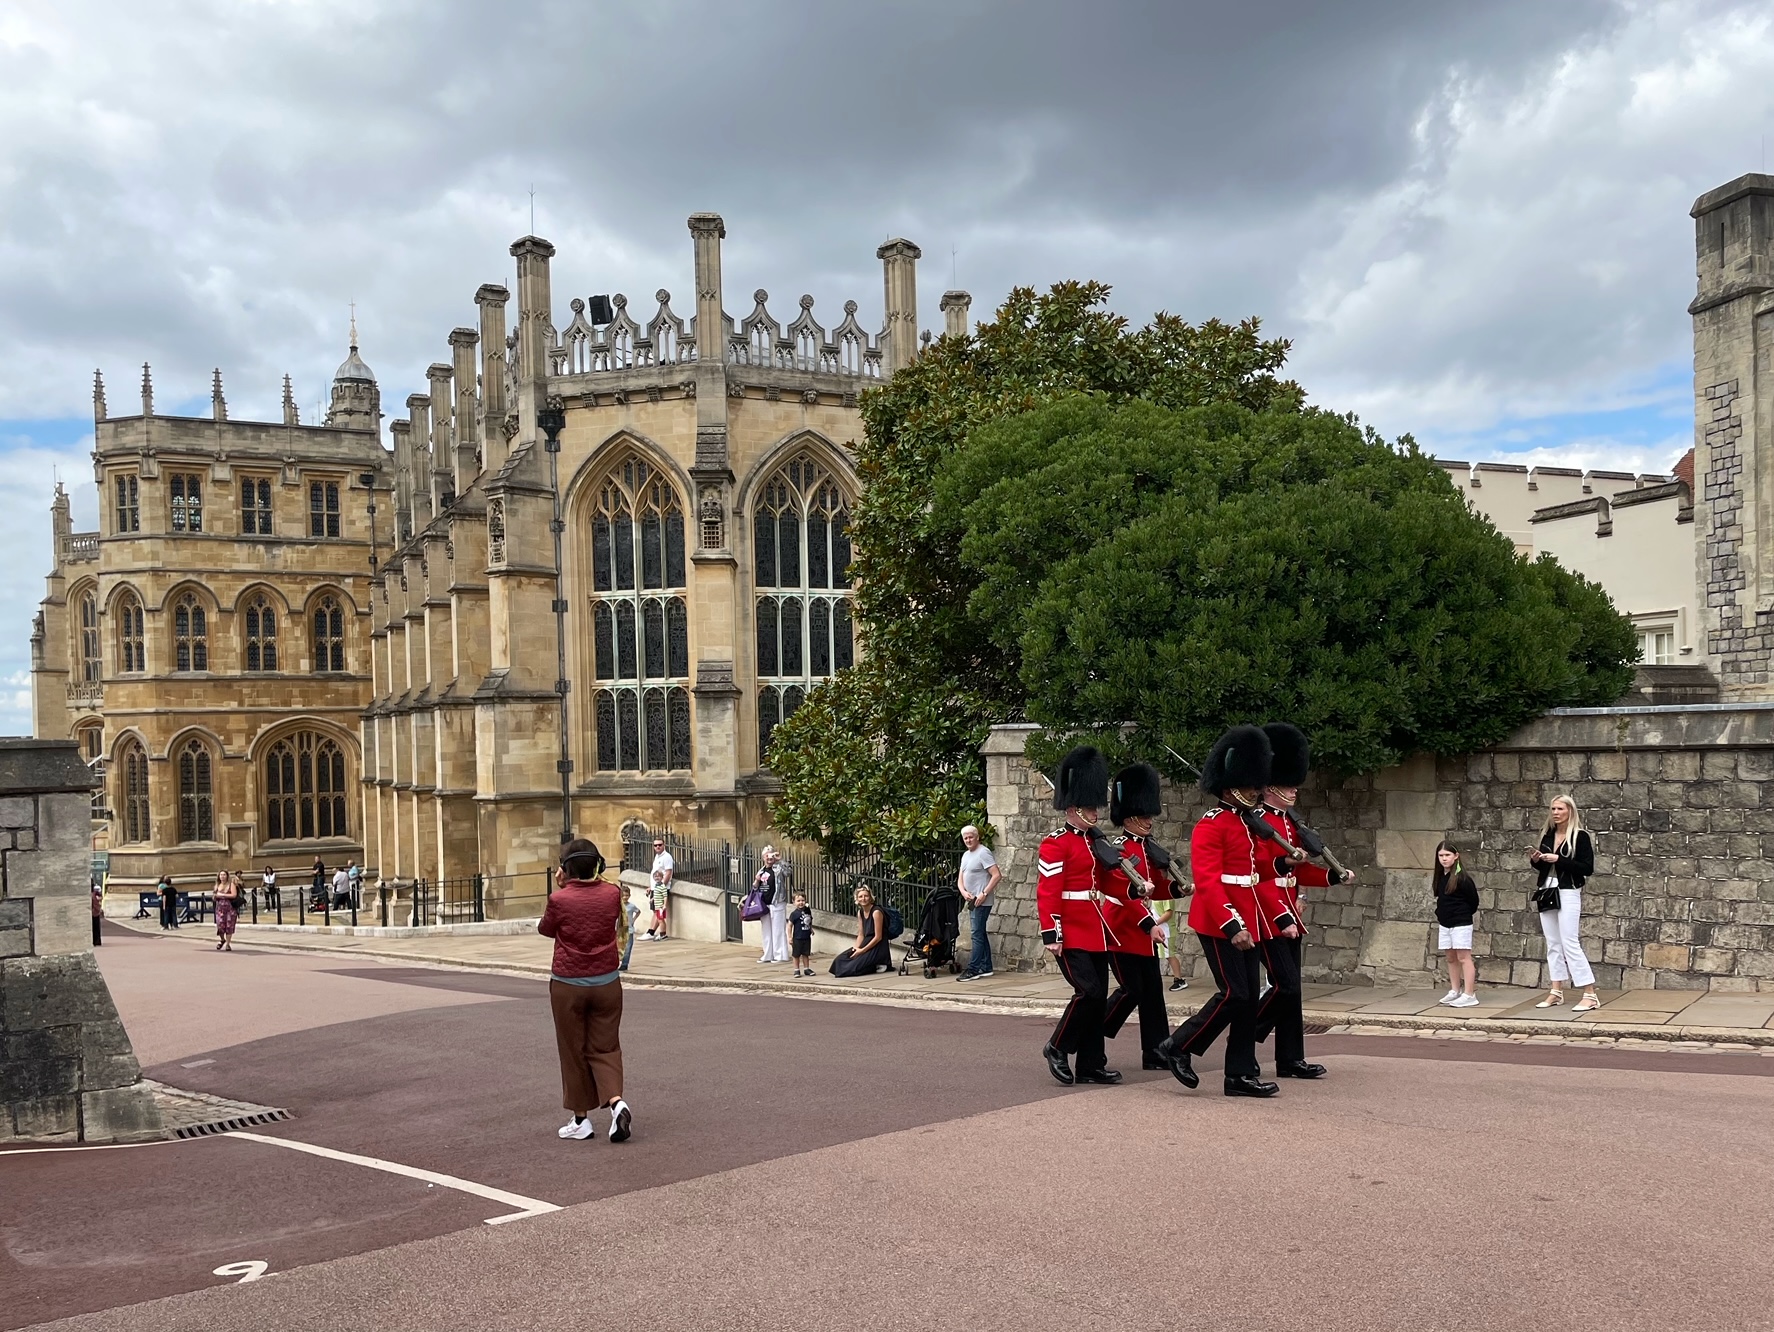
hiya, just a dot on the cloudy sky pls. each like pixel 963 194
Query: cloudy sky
pixel 1470 218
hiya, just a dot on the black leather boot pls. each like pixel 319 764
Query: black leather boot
pixel 1108 1077
pixel 1177 1061
pixel 1250 1086
pixel 1057 1065
pixel 1300 1070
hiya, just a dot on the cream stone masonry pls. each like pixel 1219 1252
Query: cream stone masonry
pixel 209 645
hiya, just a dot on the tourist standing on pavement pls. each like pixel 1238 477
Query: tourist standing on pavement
pixel 1456 903
pixel 800 924
pixel 1070 913
pixel 269 882
pixel 98 910
pixel 317 893
pixel 1139 984
pixel 585 919
pixel 354 873
pixel 1565 859
pixel 227 903
pixel 775 922
pixel 871 952
pixel 169 903
pixel 630 913
pixel 1226 859
pixel 977 880
pixel 663 869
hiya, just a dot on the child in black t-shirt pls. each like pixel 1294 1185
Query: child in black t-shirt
pixel 800 925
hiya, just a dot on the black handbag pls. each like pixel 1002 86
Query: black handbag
pixel 1546 898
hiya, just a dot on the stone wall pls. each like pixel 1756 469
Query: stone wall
pixel 67 1072
pixel 1680 801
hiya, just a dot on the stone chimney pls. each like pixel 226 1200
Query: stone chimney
pixel 443 462
pixel 955 307
pixel 402 434
pixel 419 458
pixel 534 310
pixel 707 231
pixel 463 425
pixel 491 299
pixel 899 271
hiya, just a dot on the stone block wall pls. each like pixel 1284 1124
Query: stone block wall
pixel 1679 800
pixel 67 1072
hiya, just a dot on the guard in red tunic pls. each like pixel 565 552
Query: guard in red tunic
pixel 1226 859
pixel 1140 873
pixel 1279 896
pixel 1074 917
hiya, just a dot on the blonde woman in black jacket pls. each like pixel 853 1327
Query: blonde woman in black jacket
pixel 1565 859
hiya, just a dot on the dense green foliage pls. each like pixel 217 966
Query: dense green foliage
pixel 1092 525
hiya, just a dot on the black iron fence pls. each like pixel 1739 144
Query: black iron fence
pixel 830 887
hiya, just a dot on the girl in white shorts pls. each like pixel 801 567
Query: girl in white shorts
pixel 1456 903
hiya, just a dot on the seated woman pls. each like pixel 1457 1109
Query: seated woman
pixel 871 952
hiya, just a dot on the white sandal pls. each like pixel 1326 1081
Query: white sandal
pixel 1587 1004
pixel 1553 1000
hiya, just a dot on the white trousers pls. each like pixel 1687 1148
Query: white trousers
pixel 775 925
pixel 1564 950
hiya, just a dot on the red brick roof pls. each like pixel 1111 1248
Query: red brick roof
pixel 1684 469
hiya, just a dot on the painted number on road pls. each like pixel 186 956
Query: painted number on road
pixel 247 1271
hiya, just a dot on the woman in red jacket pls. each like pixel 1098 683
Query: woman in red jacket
pixel 585 919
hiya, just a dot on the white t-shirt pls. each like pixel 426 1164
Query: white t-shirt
pixel 662 867
pixel 976 869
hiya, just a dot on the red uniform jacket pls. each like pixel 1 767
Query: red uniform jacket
pixel 1132 919
pixel 1069 892
pixel 1227 862
pixel 1278 894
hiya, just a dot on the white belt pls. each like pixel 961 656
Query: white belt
pixel 1092 896
pixel 1242 880
pixel 1288 882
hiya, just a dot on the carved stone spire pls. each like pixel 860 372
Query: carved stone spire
pixel 147 390
pixel 218 405
pixel 291 416
pixel 899 270
pixel 707 231
pixel 98 396
pixel 955 307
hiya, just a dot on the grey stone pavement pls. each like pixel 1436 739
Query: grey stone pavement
pixel 1675 1018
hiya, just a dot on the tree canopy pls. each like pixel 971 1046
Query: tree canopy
pixel 1103 528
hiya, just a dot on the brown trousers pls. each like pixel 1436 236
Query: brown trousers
pixel 588 1034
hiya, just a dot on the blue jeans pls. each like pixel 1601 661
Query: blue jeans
pixel 628 947
pixel 981 956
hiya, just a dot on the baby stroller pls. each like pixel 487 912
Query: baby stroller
pixel 939 926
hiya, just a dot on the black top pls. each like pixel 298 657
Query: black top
pixel 1573 869
pixel 801 922
pixel 1454 903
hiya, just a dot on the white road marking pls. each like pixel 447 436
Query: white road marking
pixel 197 1063
pixel 249 1270
pixel 527 1207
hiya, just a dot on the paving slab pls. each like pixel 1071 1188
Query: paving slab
pixel 1661 1001
pixel 1407 1001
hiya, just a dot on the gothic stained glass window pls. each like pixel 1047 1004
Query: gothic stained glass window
pixel 329 636
pixel 261 635
pixel 800 565
pixel 305 792
pixel 190 635
pixel 196 795
pixel 130 639
pixel 132 778
pixel 639 621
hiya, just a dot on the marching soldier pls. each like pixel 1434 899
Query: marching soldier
pixel 1133 804
pixel 1279 896
pixel 1074 917
pixel 1226 861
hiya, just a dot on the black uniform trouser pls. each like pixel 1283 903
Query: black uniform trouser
pixel 1080 1029
pixel 1139 985
pixel 1280 1011
pixel 1238 973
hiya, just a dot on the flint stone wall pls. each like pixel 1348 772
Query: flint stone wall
pixel 67 1072
pixel 1679 800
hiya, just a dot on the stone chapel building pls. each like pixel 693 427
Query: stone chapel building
pixel 287 641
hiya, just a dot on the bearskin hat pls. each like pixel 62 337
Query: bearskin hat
pixel 1134 794
pixel 1239 758
pixel 1082 780
pixel 1293 756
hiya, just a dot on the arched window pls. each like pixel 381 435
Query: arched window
pixel 640 625
pixel 197 814
pixel 329 636
pixel 261 634
pixel 801 574
pixel 305 788
pixel 130 654
pixel 132 792
pixel 190 635
pixel 87 655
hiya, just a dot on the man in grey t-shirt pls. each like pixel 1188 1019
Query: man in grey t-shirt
pixel 977 880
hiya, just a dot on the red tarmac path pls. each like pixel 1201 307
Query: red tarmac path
pixel 790 1154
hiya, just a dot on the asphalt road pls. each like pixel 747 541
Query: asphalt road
pixel 807 1163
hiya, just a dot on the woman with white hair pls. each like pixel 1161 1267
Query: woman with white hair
pixel 1565 859
pixel 776 898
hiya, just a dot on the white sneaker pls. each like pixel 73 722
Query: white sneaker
pixel 1464 1001
pixel 620 1118
pixel 1449 997
pixel 579 1129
